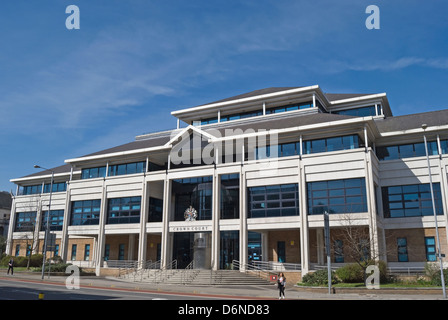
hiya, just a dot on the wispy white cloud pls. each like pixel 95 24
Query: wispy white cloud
pixel 401 63
pixel 125 66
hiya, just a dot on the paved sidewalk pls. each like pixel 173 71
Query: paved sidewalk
pixel 232 292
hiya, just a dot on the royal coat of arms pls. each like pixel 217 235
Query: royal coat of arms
pixel 190 214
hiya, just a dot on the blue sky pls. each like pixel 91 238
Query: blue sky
pixel 66 93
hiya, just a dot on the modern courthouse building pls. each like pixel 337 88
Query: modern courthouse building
pixel 250 179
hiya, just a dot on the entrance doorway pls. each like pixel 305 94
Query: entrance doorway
pixel 192 246
pixel 281 251
pixel 254 249
pixel 229 249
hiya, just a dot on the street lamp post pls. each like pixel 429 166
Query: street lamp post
pixel 439 252
pixel 47 228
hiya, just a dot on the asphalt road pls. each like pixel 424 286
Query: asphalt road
pixel 17 290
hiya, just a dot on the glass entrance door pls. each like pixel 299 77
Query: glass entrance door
pixel 229 249
pixel 254 246
pixel 281 251
pixel 189 246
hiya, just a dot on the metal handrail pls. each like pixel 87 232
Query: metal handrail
pixel 188 274
pixel 276 266
pixel 250 268
pixel 408 270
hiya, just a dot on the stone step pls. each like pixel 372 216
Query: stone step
pixel 197 277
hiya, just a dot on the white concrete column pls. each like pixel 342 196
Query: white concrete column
pixel 164 256
pixel 371 208
pixel 39 213
pixel 216 213
pixel 144 211
pixel 12 223
pixel 64 237
pixel 304 231
pixel 243 219
pixel 131 246
pixel 101 235
pixel 265 246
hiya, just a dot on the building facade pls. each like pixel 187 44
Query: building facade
pixel 250 179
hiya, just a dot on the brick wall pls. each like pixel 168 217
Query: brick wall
pixel 415 239
pixel 292 245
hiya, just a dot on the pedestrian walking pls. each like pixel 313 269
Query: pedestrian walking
pixel 281 284
pixel 11 266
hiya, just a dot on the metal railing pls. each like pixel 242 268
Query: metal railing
pixel 188 274
pixel 83 263
pixel 277 266
pixel 155 274
pixel 253 269
pixel 125 267
pixel 410 271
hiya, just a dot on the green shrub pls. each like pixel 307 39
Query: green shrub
pixel 432 269
pixel 18 261
pixel 35 261
pixel 318 278
pixel 350 273
pixel 354 273
pixel 58 267
pixel 436 278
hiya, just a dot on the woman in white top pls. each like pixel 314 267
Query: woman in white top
pixel 281 283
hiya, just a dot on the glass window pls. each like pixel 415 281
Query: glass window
pixel 230 196
pixel 291 107
pixel 337 196
pixel 121 251
pixel 430 247
pixel 273 201
pixel 56 220
pixel 124 210
pixel 129 168
pixel 331 144
pixel 74 249
pixel 411 200
pixel 334 144
pixel 57 187
pixel 196 192
pixel 318 146
pixel 358 112
pixel 106 252
pixel 444 146
pixel 209 121
pixel 121 169
pixel 87 252
pixel 85 212
pixel 289 149
pixel 28 190
pixel 90 173
pixel 402 248
pixel 155 210
pixel 406 151
pixel 25 221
